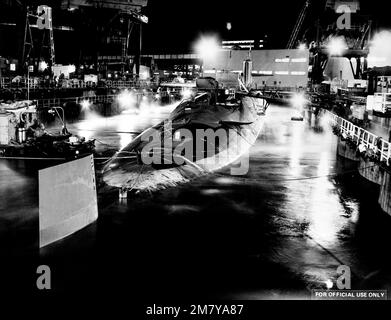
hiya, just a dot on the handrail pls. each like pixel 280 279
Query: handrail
pixel 51 102
pixel 36 83
pixel 363 137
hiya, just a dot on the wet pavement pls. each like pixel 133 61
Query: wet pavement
pixel 277 232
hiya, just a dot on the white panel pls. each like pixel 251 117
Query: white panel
pixel 67 199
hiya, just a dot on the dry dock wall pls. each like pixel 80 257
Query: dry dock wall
pixel 371 171
pixel 345 151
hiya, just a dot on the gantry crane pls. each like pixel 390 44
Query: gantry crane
pixel 125 10
pixel 298 25
pixel 43 22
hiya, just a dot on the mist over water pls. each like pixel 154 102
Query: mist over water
pixel 280 230
pixel 380 49
pixel 136 114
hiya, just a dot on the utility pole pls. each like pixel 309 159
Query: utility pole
pixel 28 82
pixel 28 79
pixel 138 60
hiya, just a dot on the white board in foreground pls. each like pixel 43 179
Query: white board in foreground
pixel 67 199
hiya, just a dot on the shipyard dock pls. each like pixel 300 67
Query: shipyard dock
pixel 191 152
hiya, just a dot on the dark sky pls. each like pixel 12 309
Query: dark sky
pixel 175 24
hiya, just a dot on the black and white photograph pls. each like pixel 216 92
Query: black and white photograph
pixel 196 157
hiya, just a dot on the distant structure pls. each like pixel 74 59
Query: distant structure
pixel 285 69
pixel 243 44
pixel 335 5
pixel 123 5
pixel 124 16
pixel 339 49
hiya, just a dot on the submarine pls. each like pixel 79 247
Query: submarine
pixel 205 133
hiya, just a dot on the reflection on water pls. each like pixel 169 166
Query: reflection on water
pixel 118 131
pixel 280 230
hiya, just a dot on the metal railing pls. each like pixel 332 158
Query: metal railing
pixel 363 137
pixel 56 102
pixel 37 83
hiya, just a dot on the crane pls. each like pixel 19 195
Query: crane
pixel 299 24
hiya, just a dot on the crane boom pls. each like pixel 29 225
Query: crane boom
pixel 299 24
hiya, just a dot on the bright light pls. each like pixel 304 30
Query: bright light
pixel 302 46
pixel 337 46
pixel 329 284
pixel 207 48
pixel 71 68
pixel 229 25
pixel 299 100
pixel 43 65
pixel 85 105
pixel 126 99
pixel 187 93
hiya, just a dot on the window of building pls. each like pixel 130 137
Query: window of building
pixel 266 73
pixel 299 60
pixel 298 73
pixel 282 73
pixel 282 60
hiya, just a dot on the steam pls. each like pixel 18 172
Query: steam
pixel 138 112
pixel 380 50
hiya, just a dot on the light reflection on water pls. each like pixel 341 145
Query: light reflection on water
pixel 313 217
pixel 310 212
pixel 118 131
pixel 296 214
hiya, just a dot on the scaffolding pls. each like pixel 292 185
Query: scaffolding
pixel 43 22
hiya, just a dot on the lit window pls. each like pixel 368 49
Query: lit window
pixel 282 60
pixel 266 73
pixel 298 73
pixel 300 60
pixel 282 73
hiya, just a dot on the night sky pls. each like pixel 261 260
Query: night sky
pixel 174 25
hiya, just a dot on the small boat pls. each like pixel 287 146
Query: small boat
pixel 205 133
